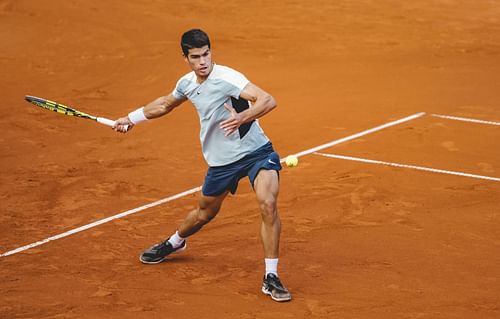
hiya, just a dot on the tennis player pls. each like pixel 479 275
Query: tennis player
pixel 234 146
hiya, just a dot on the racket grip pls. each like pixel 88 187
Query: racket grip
pixel 108 122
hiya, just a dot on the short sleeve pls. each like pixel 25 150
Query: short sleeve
pixel 236 82
pixel 179 89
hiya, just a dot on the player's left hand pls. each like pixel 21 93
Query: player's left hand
pixel 233 122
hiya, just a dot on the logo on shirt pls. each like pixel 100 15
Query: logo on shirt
pixel 270 161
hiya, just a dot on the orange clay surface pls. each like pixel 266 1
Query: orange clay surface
pixel 358 240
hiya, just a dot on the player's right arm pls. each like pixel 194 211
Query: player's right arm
pixel 157 108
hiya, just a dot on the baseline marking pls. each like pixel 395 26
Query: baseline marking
pixel 420 168
pixel 463 119
pixel 196 189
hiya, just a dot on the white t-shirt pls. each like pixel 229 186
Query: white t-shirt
pixel 223 85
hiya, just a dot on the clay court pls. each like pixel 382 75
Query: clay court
pixel 401 83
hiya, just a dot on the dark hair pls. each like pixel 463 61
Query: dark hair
pixel 194 38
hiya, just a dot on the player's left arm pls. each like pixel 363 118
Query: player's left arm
pixel 262 103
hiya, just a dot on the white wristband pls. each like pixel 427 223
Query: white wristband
pixel 137 116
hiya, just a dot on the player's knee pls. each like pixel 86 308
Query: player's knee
pixel 203 218
pixel 205 215
pixel 268 208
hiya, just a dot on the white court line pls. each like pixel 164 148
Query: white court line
pixel 456 118
pixel 102 221
pixel 420 168
pixel 196 189
pixel 372 130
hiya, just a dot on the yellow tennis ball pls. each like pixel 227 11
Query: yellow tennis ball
pixel 292 161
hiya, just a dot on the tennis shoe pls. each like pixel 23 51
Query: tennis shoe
pixel 273 287
pixel 158 253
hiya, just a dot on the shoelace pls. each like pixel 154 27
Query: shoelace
pixel 276 281
pixel 160 245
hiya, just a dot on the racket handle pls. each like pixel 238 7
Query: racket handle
pixel 108 122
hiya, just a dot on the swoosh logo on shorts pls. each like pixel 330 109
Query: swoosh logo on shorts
pixel 271 162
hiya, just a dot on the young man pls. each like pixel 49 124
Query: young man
pixel 233 144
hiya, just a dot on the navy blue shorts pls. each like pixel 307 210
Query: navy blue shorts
pixel 225 178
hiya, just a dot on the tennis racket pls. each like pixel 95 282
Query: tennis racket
pixel 66 110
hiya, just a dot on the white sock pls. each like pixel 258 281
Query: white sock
pixel 176 240
pixel 271 266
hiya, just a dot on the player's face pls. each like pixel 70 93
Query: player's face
pixel 200 61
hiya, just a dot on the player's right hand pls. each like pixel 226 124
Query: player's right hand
pixel 123 125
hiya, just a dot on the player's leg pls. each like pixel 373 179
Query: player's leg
pixel 207 209
pixel 266 186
